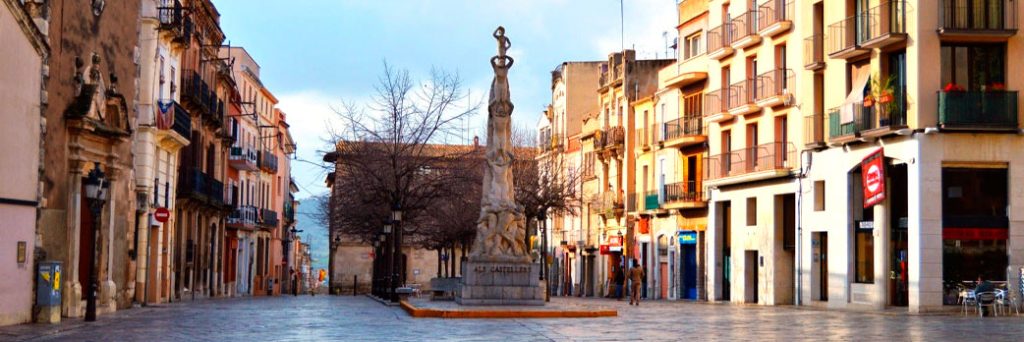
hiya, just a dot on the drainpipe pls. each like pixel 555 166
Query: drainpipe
pixel 805 156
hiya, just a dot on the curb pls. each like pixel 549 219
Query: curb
pixel 434 313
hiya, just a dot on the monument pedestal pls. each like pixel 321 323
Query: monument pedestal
pixel 500 283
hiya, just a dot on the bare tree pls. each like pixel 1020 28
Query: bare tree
pixel 387 153
pixel 545 183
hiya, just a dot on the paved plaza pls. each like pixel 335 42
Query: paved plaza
pixel 340 318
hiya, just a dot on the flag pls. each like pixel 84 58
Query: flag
pixel 164 114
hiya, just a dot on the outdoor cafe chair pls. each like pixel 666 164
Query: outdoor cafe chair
pixel 986 299
pixel 967 299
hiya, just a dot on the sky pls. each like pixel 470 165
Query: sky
pixel 315 54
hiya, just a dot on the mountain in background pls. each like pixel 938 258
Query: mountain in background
pixel 312 232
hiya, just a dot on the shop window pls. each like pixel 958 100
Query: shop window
pixel 863 232
pixel 819 195
pixel 752 211
pixel 975 226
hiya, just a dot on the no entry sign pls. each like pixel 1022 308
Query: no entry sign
pixel 873 175
pixel 162 214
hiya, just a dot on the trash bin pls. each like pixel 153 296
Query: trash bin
pixel 48 292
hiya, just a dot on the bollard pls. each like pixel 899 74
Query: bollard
pixel 355 282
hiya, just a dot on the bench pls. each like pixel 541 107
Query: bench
pixel 444 288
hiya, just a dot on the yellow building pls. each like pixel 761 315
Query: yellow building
pixel 752 164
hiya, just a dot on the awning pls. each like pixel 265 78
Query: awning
pixel 860 84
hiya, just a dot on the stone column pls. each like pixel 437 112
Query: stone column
pixel 881 252
pixel 72 295
pixel 108 289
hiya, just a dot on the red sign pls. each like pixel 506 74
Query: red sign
pixel 604 250
pixel 975 233
pixel 873 175
pixel 162 214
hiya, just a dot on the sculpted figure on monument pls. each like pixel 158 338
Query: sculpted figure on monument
pixel 501 226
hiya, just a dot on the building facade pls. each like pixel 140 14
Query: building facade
pixel 21 64
pixel 910 189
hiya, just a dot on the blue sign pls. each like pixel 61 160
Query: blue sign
pixel 687 237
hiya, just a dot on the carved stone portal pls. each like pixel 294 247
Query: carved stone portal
pixel 499 270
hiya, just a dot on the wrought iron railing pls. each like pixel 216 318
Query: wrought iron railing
pixel 814 129
pixel 742 93
pixel 978 109
pixel 720 37
pixel 887 18
pixel 683 192
pixel 776 82
pixel 685 126
pixel 182 122
pixel 771 156
pixel 814 51
pixel 775 11
pixel 716 101
pixel 745 25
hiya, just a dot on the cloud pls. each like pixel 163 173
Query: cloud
pixel 310 114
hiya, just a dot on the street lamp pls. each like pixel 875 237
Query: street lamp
pixel 544 253
pixel 95 192
pixel 396 245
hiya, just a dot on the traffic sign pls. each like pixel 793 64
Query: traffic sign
pixel 162 214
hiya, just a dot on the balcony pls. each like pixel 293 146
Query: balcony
pixel 243 217
pixel 268 218
pixel 611 139
pixel 611 74
pixel 979 111
pixel 855 122
pixel 741 97
pixel 683 132
pixel 774 88
pixel 977 20
pixel 814 53
pixel 199 186
pixel 745 30
pixel 776 17
pixel 684 195
pixel 642 141
pixel 243 159
pixel 843 39
pixel 685 73
pixel 761 162
pixel 651 200
pixel 716 106
pixel 268 162
pixel 195 93
pixel 887 24
pixel 814 131
pixel 720 41
pixel 182 122
pixel 174 21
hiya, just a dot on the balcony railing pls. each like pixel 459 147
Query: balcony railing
pixel 814 130
pixel 853 119
pixel 814 52
pixel 201 186
pixel 651 200
pixel 681 127
pixel 775 11
pixel 886 20
pixel 642 138
pixel 776 82
pixel 844 35
pixel 720 37
pixel 182 122
pixel 195 93
pixel 767 157
pixel 173 19
pixel 979 17
pixel 244 215
pixel 683 192
pixel 268 218
pixel 742 93
pixel 243 158
pixel 268 161
pixel 978 110
pixel 745 25
pixel 716 102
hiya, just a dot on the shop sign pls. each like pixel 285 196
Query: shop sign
pixel 975 233
pixel 866 224
pixel 604 249
pixel 873 176
pixel 687 238
pixel 615 249
pixel 615 240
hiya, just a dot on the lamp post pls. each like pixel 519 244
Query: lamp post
pixel 544 254
pixel 396 271
pixel 374 282
pixel 95 186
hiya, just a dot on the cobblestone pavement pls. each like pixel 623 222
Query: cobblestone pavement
pixel 341 318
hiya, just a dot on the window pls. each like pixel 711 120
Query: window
pixel 865 250
pixel 752 211
pixel 691 47
pixel 819 195
pixel 974 66
pixel 863 232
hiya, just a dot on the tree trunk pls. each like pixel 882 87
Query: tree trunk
pixel 439 262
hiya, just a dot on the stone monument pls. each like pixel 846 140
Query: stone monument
pixel 499 270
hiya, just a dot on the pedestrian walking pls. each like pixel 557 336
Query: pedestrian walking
pixel 636 277
pixel 620 281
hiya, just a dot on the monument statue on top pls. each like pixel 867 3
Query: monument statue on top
pixel 499 270
pixel 501 227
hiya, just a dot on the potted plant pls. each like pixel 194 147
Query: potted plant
pixel 869 101
pixel 883 90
